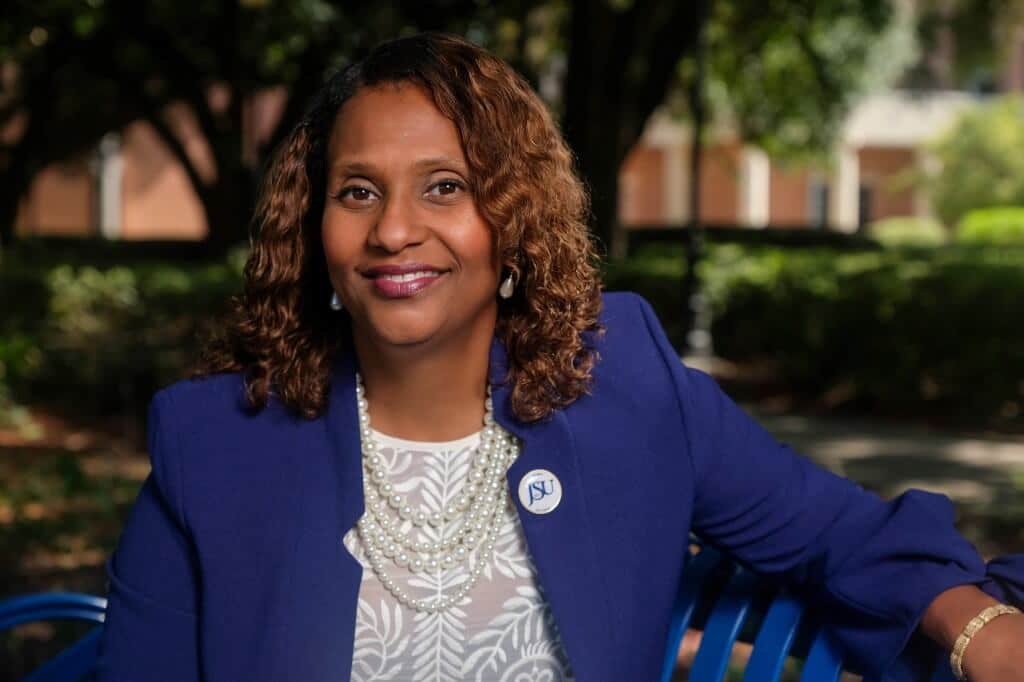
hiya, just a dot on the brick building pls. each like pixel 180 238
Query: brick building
pixel 131 187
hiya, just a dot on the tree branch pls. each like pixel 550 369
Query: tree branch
pixel 168 137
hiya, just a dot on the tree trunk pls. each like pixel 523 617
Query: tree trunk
pixel 9 197
pixel 621 64
pixel 228 207
pixel 593 115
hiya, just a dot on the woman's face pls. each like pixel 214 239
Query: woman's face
pixel 408 253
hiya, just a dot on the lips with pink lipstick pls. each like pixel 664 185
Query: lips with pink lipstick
pixel 402 281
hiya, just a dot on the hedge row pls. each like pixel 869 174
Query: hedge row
pixel 99 340
pixel 932 331
pixel 935 331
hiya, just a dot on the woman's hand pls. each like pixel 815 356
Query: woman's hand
pixel 996 653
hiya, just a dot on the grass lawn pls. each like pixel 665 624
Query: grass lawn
pixel 63 500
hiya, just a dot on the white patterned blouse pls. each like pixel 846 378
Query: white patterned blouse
pixel 502 631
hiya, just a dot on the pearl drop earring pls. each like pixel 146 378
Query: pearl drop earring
pixel 507 287
pixel 335 301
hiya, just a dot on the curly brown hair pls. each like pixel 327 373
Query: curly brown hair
pixel 281 333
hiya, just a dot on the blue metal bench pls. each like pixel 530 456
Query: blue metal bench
pixel 78 660
pixel 728 603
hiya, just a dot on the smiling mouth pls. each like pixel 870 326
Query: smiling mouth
pixel 397 285
pixel 408 276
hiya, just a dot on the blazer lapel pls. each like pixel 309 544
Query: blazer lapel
pixel 560 541
pixel 318 630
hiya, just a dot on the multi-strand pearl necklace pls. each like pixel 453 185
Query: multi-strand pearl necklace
pixel 478 505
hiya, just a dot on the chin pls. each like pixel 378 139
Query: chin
pixel 406 330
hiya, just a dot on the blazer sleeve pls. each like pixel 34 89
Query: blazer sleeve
pixel 150 631
pixel 868 567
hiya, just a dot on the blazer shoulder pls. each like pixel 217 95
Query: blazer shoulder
pixel 616 305
pixel 212 395
pixel 628 321
pixel 179 413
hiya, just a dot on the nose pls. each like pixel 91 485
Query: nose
pixel 396 227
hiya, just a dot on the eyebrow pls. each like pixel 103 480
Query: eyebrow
pixel 368 168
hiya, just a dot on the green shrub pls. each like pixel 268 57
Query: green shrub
pixel 999 225
pixel 908 231
pixel 101 339
pixel 977 163
pixel 903 330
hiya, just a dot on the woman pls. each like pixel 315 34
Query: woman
pixel 428 448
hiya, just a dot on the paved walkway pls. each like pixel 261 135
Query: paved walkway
pixel 889 458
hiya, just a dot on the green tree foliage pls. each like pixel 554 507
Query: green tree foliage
pixel 971 40
pixel 81 69
pixel 978 163
pixel 786 73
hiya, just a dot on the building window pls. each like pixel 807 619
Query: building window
pixel 817 203
pixel 865 206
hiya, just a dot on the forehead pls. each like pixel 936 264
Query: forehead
pixel 388 123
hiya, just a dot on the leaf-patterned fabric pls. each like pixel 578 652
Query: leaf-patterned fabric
pixel 502 631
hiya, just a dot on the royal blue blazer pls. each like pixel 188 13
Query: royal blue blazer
pixel 231 565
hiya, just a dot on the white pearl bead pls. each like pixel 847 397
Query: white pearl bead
pixel 476 506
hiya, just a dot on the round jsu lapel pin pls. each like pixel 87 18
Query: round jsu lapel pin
pixel 540 491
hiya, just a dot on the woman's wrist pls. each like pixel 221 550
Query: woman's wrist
pixel 948 614
pixel 986 632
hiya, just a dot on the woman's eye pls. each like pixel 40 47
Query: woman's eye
pixel 355 194
pixel 445 188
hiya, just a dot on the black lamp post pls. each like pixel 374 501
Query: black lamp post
pixel 697 314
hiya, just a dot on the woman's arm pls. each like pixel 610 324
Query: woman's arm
pixel 150 632
pixel 870 568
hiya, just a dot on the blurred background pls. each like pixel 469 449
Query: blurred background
pixel 824 200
